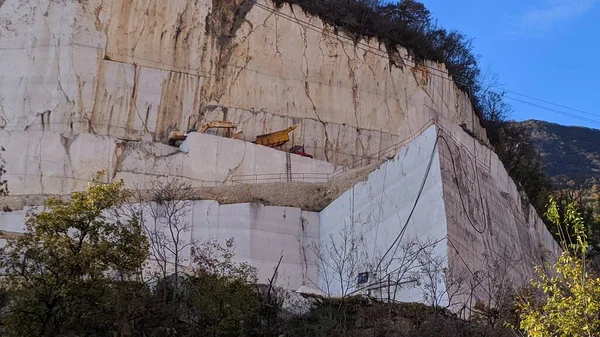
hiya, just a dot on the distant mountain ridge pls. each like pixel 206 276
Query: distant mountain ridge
pixel 570 153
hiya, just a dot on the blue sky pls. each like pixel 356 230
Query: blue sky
pixel 547 49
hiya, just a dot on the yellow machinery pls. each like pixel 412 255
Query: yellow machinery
pixel 179 136
pixel 275 139
pixel 217 125
pixel 272 139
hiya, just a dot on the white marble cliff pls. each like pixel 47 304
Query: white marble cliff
pixel 99 84
pixel 135 70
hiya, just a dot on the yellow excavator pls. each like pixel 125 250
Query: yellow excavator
pixel 275 139
pixel 217 125
pixel 179 136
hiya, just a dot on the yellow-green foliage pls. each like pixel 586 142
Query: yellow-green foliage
pixel 71 254
pixel 570 302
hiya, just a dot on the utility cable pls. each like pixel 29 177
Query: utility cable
pixel 383 186
pixel 480 231
pixel 378 52
pixel 394 244
pixel 560 112
pixel 555 104
pixel 419 193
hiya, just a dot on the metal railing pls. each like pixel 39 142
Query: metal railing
pixel 386 153
pixel 279 177
pixel 312 177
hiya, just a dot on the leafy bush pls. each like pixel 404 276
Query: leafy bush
pixel 567 302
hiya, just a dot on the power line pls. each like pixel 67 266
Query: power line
pixel 560 112
pixel 555 104
pixel 442 74
pixel 421 188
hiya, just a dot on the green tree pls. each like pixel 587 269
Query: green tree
pixel 223 298
pixel 61 272
pixel 569 305
pixel 585 208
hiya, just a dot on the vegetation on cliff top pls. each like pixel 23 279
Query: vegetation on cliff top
pixel 409 24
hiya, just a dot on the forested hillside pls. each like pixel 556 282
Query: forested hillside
pixel 571 155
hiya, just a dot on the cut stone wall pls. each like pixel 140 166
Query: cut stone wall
pixel 494 221
pixel 486 213
pixel 345 144
pixel 261 236
pixel 43 162
pixel 376 210
pixel 136 70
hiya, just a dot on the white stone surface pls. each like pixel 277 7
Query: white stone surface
pixel 138 69
pixel 13 221
pixel 261 236
pixel 377 209
pixel 494 220
pixel 39 162
pixel 264 234
pixel 339 144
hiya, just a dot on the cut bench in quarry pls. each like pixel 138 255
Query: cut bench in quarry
pixel 414 193
pixel 48 163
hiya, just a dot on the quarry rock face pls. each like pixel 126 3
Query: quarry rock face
pixel 49 163
pixel 136 70
pixel 445 201
pixel 99 85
